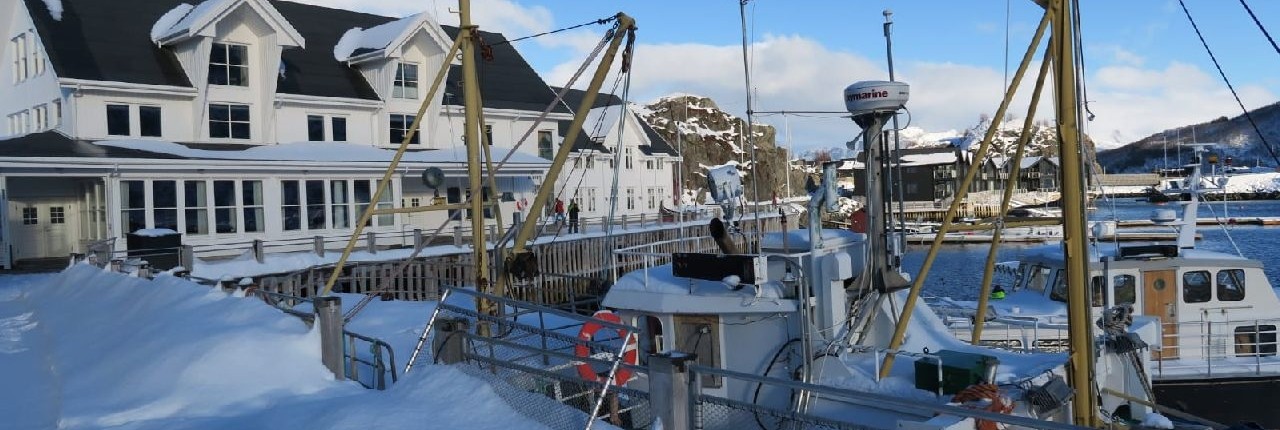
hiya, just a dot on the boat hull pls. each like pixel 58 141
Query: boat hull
pixel 1227 400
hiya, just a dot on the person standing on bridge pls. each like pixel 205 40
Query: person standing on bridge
pixel 573 216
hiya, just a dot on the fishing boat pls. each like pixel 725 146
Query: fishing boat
pixel 1216 312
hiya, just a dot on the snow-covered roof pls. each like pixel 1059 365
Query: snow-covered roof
pixel 928 159
pixel 361 42
pixel 311 151
pixel 210 11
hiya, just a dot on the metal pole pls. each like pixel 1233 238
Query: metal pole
pixel 749 134
pixel 471 128
pixel 900 331
pixel 896 171
pixel 328 310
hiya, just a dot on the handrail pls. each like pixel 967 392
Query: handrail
pixel 883 401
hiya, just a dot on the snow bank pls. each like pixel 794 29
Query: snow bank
pixel 154 232
pixel 1155 420
pixel 92 349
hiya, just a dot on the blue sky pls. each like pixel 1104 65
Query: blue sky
pixel 1146 69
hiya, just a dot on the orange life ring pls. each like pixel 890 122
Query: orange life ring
pixel 989 392
pixel 630 355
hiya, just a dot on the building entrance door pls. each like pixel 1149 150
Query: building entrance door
pixel 43 228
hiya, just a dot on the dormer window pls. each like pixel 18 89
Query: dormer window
pixel 229 65
pixel 406 82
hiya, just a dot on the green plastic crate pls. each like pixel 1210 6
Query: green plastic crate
pixel 959 371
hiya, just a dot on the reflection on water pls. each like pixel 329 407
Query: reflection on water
pixel 958 269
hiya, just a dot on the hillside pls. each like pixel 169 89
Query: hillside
pixel 1043 141
pixel 1236 137
pixel 709 136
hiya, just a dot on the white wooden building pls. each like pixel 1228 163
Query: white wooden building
pixel 236 120
pixel 647 164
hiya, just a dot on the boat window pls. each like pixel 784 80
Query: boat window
pixel 1196 287
pixel 1059 291
pixel 1125 287
pixel 1255 340
pixel 1037 278
pixel 1098 292
pixel 1231 285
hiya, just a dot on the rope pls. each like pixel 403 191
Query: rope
pixel 1260 27
pixel 600 21
pixel 1228 82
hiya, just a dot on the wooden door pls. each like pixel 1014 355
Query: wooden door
pixel 1160 299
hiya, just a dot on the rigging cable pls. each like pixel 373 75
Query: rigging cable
pixel 1247 115
pixel 1260 27
pixel 600 21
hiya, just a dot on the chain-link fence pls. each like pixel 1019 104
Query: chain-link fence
pixel 536 360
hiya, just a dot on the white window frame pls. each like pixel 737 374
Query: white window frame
pixel 407 119
pixel 226 46
pixel 230 130
pixel 18 45
pixel 400 81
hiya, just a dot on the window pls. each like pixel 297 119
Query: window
pixel 196 212
pixel 1196 287
pixel 1231 285
pixel 591 162
pixel 315 128
pixel 653 198
pixel 251 198
pixel 229 65
pixel 488 134
pixel 41 114
pixel 384 202
pixel 406 82
pixel 290 205
pixel 18 46
pixel 648 164
pixel 341 208
pixel 1059 291
pixel 591 199
pixel 224 207
pixel 400 127
pixel 37 55
pixel 57 215
pixel 133 205
pixel 545 149
pixel 363 195
pixel 30 216
pixel 1256 340
pixel 339 128
pixel 164 201
pixel 1125 289
pixel 316 219
pixel 149 121
pixel 1098 291
pixel 57 112
pixel 229 121
pixel 627 163
pixel 631 198
pixel 577 162
pixel 118 120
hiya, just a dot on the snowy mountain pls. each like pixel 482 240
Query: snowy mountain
pixel 708 136
pixel 1043 141
pixel 1235 136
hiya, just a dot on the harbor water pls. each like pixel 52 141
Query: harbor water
pixel 957 272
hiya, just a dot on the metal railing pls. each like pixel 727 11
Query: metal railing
pixel 378 357
pixel 1208 348
pixel 532 356
pixel 713 412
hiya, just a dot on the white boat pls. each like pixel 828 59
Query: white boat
pixel 1217 314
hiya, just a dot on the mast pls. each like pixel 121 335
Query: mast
pixel 471 124
pixel 1075 245
pixel 749 134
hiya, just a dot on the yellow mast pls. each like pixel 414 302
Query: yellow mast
pixel 471 127
pixel 1075 247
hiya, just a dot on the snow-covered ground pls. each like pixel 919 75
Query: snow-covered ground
pixel 87 349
